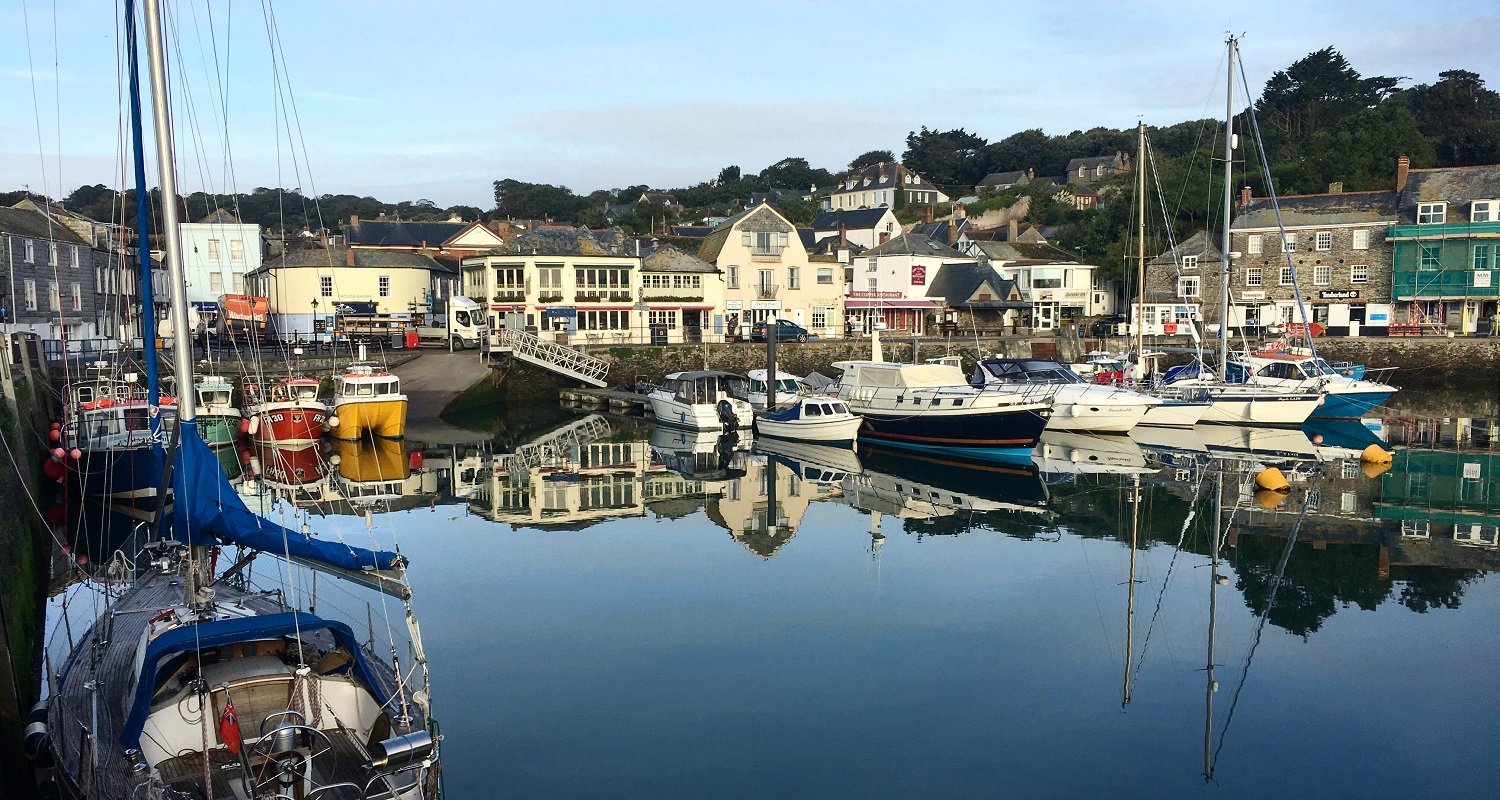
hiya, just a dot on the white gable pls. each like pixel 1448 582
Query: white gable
pixel 477 236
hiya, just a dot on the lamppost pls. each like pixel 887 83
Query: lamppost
pixel 312 325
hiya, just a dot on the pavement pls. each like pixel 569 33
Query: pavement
pixel 432 381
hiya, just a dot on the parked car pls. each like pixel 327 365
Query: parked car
pixel 785 331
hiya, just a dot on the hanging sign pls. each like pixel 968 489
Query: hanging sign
pixel 918 275
pixel 1482 279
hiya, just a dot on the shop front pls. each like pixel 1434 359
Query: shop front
pixel 888 311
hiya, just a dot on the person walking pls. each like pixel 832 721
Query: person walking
pixel 1495 323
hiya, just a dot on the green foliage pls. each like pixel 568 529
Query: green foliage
pixel 1459 116
pixel 797 210
pixel 946 158
pixel 871 158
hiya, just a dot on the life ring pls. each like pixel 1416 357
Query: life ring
pixel 104 402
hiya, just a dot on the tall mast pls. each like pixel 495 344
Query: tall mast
pixel 143 226
pixel 1212 685
pixel 1228 197
pixel 1140 250
pixel 1135 531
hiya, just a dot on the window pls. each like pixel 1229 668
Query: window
pixel 1289 243
pixel 1428 257
pixel 30 294
pixel 1189 262
pixel 236 249
pixel 325 285
pixel 1359 273
pixel 549 280
pixel 1099 171
pixel 591 279
pixel 383 284
pixel 825 276
pixel 1484 211
pixel 764 280
pixel 793 277
pixel 1432 213
pixel 1323 241
pixel 874 284
pixel 54 302
pixel 1083 171
pixel 77 297
pixel 1361 239
pixel 77 258
pixel 1253 276
pixel 1255 243
pixel 213 249
pixel 1288 276
pixel 765 243
pixel 820 317
pixel 1481 256
pixel 734 277
pixel 612 320
pixel 1322 274
pixel 667 318
pixel 239 283
pixel 1187 286
pixel 215 283
pixel 1044 278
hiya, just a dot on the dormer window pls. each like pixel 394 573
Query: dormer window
pixel 1189 262
pixel 1083 172
pixel 867 181
pixel 1099 170
pixel 1485 211
pixel 1432 213
pixel 908 177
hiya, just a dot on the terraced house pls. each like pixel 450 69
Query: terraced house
pixel 1334 250
pixel 47 278
pixel 768 274
pixel 1445 247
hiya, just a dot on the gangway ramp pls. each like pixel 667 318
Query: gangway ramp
pixel 558 358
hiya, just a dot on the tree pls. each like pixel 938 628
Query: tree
pixel 871 158
pixel 1030 149
pixel 729 174
pixel 1317 92
pixel 796 210
pixel 946 158
pixel 793 173
pixel 1460 117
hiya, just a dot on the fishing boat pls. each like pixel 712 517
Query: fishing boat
pixel 932 407
pixel 705 400
pixel 288 412
pixel 293 467
pixel 191 684
pixel 367 401
pixel 787 387
pixel 113 433
pixel 218 418
pixel 1077 405
pixel 370 470
pixel 825 420
pixel 1347 397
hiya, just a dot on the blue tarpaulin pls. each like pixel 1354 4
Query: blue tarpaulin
pixel 206 507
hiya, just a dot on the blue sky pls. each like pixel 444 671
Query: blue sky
pixel 436 100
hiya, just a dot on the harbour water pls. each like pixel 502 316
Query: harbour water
pixel 611 610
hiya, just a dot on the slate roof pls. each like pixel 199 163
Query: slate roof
pixel 220 216
pixel 914 245
pixel 667 258
pixel 1195 245
pixel 827 244
pixel 36 226
pixel 338 256
pixel 955 283
pixel 856 218
pixel 694 231
pixel 885 175
pixel 1459 186
pixel 563 241
pixel 1115 161
pixel 713 244
pixel 940 231
pixel 1318 209
pixel 1003 179
pixel 400 233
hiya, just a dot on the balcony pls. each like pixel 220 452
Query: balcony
pixel 1407 284
pixel 661 294
pixel 509 295
pixel 766 291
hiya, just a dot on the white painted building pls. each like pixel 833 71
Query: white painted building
pixel 888 286
pixel 217 251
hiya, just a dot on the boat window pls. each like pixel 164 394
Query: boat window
pixel 813 410
pixel 958 401
pixel 786 386
pixel 839 408
pixel 365 389
pixel 936 400
pixel 307 393
pixel 1319 367
pixel 757 385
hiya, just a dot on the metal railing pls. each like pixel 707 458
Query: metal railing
pixel 766 291
pixel 551 355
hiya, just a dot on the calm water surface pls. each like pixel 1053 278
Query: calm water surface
pixel 600 626
pixel 615 611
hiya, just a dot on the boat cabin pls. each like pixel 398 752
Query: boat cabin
pixel 295 390
pixel 1024 371
pixel 214 392
pixel 704 387
pixel 362 381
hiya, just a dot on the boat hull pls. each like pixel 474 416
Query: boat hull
pixel 291 423
pixel 825 431
pixel 218 429
pixel 1002 434
pixel 125 474
pixel 1175 414
pixel 357 419
pixel 1348 405
pixel 1230 406
pixel 696 416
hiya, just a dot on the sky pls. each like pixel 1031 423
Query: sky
pixel 437 100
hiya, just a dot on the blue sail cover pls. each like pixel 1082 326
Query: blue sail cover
pixel 205 506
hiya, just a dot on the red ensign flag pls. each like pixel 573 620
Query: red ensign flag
pixel 229 728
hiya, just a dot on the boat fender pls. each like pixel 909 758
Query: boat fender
pixel 1270 479
pixel 727 416
pixel 38 711
pixel 333 422
pixel 254 425
pixel 1375 454
pixel 38 743
pixel 1268 499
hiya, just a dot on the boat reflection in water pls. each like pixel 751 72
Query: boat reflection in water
pixel 1062 455
pixel 370 469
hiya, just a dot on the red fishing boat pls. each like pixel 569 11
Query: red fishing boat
pixel 288 413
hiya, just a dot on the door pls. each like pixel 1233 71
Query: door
pixel 1046 317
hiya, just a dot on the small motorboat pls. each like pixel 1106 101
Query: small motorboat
pixel 788 386
pixel 825 420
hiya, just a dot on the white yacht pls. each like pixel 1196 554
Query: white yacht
pixel 1077 405
pixel 705 400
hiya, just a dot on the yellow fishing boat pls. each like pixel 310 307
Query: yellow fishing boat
pixel 367 401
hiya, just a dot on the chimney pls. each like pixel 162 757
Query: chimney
pixel 1013 231
pixel 1031 173
pixel 959 212
pixel 349 256
pixel 1403 166
pixel 1244 195
pixel 1337 187
pixel 354 220
pixel 927 215
pixel 843 234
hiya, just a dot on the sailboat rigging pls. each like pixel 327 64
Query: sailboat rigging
pixel 187 686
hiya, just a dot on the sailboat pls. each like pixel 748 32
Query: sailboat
pixel 1228 403
pixel 188 685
